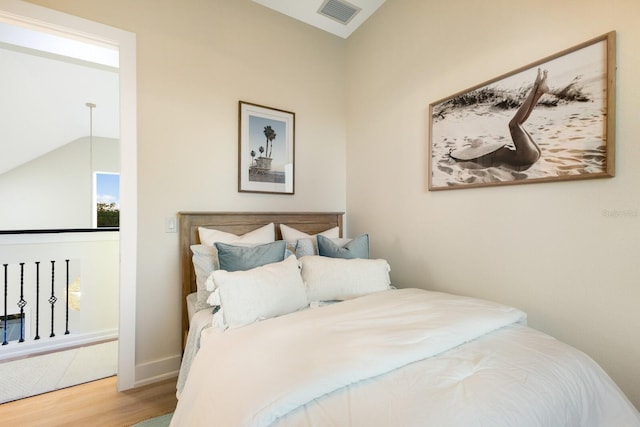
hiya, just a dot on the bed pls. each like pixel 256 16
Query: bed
pixel 380 356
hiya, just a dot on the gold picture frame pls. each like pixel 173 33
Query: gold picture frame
pixel 548 121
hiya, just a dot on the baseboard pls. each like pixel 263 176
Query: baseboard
pixel 157 370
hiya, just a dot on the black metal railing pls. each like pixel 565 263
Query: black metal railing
pixel 25 286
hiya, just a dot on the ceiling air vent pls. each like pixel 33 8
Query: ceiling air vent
pixel 339 10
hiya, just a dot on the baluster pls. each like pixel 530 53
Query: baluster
pixel 37 337
pixel 66 332
pixel 6 315
pixel 22 302
pixel 52 299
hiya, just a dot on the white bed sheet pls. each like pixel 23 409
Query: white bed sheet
pixel 198 322
pixel 510 375
pixel 192 300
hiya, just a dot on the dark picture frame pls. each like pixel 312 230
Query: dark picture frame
pixel 266 149
pixel 563 104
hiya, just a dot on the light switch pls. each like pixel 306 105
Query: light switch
pixel 170 224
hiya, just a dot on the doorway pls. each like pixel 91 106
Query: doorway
pixel 47 21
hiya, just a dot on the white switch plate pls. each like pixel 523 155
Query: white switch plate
pixel 170 224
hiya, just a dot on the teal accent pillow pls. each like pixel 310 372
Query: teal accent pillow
pixel 241 258
pixel 358 247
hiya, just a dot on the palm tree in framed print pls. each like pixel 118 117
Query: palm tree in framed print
pixel 270 134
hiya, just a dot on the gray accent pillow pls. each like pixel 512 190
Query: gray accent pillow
pixel 305 247
pixel 241 258
pixel 358 247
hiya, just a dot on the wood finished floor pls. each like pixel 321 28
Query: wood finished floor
pixel 95 404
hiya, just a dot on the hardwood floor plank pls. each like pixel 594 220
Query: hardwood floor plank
pixel 95 404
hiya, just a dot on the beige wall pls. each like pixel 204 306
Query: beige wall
pixel 196 60
pixel 549 248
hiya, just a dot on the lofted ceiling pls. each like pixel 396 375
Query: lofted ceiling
pixel 46 82
pixel 338 17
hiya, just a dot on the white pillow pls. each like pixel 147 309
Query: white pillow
pixel 210 237
pixel 328 279
pixel 260 293
pixel 303 244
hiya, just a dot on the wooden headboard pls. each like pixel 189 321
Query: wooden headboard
pixel 240 223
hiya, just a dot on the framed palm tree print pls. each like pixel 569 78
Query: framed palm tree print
pixel 265 149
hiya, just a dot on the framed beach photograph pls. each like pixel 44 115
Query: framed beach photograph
pixel 548 121
pixel 265 149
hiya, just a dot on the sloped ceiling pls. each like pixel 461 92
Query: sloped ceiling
pixel 45 87
pixel 307 11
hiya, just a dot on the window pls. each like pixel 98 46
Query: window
pixel 107 199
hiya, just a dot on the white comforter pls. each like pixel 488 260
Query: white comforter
pixel 397 358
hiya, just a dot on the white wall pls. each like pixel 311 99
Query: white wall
pixel 550 249
pixel 56 189
pixel 196 60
